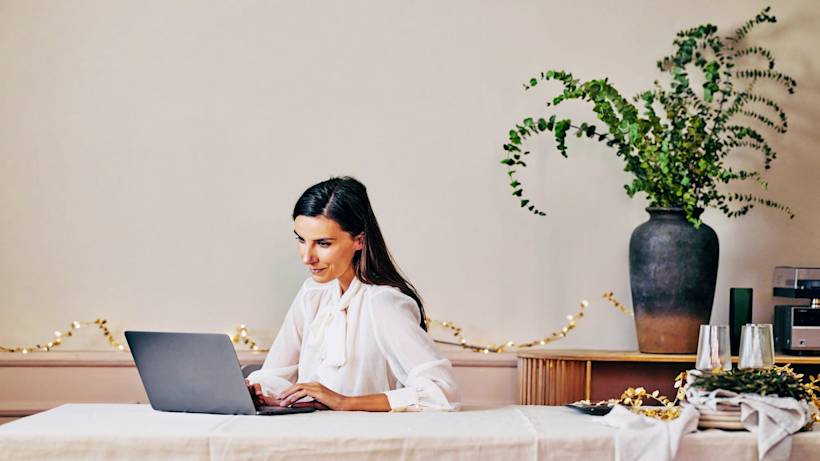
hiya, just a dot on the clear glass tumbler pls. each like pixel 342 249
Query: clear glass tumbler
pixel 714 348
pixel 756 346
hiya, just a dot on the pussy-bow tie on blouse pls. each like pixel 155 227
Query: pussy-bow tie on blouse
pixel 328 331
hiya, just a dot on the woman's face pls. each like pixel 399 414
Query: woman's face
pixel 325 248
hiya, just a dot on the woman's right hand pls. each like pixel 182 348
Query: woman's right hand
pixel 259 398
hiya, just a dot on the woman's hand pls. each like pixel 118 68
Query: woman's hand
pixel 322 395
pixel 261 399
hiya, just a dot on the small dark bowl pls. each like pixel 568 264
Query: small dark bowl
pixel 594 410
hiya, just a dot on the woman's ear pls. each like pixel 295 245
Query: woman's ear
pixel 358 241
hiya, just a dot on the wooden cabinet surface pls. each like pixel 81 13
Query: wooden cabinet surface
pixel 560 376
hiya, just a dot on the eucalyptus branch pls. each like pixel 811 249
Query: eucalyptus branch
pixel 677 160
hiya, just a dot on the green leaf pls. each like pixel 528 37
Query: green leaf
pixel 514 137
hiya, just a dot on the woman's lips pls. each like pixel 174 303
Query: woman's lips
pixel 317 271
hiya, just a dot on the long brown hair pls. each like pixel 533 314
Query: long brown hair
pixel 345 201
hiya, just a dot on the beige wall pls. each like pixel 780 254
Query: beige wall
pixel 151 151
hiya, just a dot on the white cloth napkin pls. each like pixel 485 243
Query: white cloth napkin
pixel 773 419
pixel 641 438
pixel 328 331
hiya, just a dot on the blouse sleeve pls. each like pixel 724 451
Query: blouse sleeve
pixel 281 366
pixel 426 376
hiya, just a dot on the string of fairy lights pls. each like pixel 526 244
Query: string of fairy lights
pixel 241 337
pixel 60 336
pixel 512 345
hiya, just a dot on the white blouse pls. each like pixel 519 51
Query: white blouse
pixel 366 341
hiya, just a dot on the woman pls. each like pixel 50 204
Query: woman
pixel 355 336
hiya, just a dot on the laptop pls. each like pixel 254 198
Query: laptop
pixel 195 373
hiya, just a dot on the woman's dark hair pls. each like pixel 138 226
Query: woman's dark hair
pixel 345 201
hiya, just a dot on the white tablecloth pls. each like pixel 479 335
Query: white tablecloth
pixel 106 431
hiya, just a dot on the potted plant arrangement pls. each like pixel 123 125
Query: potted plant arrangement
pixel 675 139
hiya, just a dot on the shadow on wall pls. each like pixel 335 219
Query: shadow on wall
pixel 792 179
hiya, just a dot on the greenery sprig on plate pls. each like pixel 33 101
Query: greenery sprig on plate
pixel 779 381
pixel 674 139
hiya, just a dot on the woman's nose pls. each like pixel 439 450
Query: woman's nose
pixel 308 257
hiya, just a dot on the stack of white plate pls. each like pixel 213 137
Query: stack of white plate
pixel 726 417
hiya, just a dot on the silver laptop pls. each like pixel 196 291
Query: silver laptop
pixel 195 373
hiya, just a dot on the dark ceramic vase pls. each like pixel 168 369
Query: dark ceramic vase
pixel 672 272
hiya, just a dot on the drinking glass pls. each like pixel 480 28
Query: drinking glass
pixel 714 348
pixel 756 346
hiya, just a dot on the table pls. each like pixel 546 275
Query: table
pixel 560 376
pixel 136 432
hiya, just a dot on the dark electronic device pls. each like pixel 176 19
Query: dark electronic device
pixel 740 313
pixel 797 327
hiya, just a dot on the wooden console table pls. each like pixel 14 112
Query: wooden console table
pixel 560 376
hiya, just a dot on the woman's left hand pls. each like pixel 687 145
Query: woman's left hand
pixel 320 393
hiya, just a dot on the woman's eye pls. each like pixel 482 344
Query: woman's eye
pixel 299 239
pixel 324 244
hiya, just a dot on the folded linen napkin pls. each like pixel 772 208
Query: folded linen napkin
pixel 641 438
pixel 773 419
